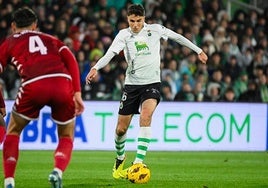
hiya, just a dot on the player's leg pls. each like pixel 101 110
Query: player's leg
pixel 149 100
pixel 62 154
pixel 120 135
pixel 129 105
pixel 2 129
pixel 11 148
pixel 144 136
pixel 120 139
pixel 63 113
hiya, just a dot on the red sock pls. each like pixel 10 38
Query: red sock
pixel 2 133
pixel 10 155
pixel 63 153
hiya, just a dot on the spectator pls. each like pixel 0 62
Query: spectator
pixel 61 30
pixel 252 94
pixel 166 92
pixel 234 48
pixel 225 53
pixel 241 83
pixel 263 85
pixel 247 58
pixel 118 85
pixel 189 64
pixel 216 78
pixel 208 39
pixel 213 93
pixel 228 96
pixel 227 82
pixel 198 92
pixel 185 94
pixel 214 63
pixel 168 80
pixel 96 90
pixel 219 37
pixel 232 68
pixel 11 78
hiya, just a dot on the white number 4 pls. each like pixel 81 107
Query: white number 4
pixel 36 44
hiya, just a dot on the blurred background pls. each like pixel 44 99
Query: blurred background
pixel 233 33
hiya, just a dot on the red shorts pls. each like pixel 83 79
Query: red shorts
pixel 55 92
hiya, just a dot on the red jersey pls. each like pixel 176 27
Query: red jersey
pixel 37 55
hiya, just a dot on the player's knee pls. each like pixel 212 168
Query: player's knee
pixel 120 131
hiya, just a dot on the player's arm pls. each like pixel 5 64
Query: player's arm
pixel 3 55
pixel 2 105
pixel 100 64
pixel 116 46
pixel 72 66
pixel 186 42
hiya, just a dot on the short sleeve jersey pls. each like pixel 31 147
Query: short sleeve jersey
pixel 142 52
pixel 33 54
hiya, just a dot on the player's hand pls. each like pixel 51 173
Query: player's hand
pixel 92 73
pixel 3 112
pixel 203 57
pixel 79 105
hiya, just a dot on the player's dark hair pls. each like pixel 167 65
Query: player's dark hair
pixel 24 17
pixel 136 9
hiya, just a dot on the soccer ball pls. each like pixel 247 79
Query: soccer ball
pixel 138 173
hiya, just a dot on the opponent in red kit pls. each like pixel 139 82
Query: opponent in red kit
pixel 49 76
pixel 2 121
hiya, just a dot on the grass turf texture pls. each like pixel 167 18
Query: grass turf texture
pixel 168 169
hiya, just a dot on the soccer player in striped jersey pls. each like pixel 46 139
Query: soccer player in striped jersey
pixel 140 43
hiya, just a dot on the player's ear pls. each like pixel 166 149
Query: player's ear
pixel 13 27
pixel 34 26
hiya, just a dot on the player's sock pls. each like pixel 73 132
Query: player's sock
pixel 120 146
pixel 8 182
pixel 62 155
pixel 10 155
pixel 2 133
pixel 143 143
pixel 59 171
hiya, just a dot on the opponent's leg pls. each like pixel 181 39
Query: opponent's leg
pixel 10 159
pixel 2 133
pixel 62 155
pixel 11 148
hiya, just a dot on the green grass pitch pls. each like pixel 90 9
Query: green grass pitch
pixel 168 169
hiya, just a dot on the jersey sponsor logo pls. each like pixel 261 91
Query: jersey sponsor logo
pixel 141 46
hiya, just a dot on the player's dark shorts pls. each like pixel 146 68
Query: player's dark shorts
pixel 134 95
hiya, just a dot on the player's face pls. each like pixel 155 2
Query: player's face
pixel 135 22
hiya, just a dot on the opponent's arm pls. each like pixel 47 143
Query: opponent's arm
pixel 2 105
pixel 72 66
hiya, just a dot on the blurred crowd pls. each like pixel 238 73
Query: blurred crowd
pixel 237 46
